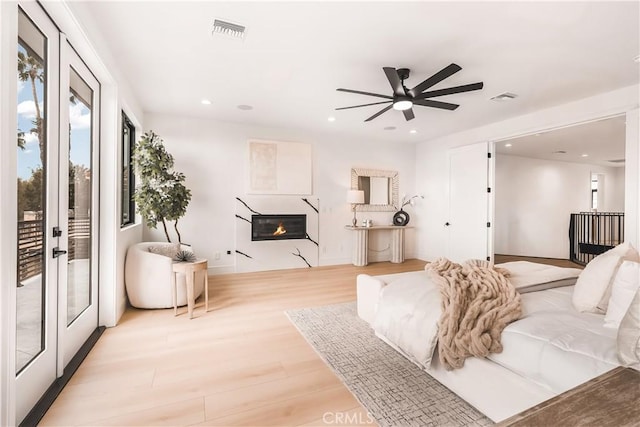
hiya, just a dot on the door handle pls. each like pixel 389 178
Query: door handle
pixel 57 252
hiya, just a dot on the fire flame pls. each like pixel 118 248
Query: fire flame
pixel 280 230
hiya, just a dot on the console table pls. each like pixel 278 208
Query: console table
pixel 361 243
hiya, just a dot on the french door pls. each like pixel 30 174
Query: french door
pixel 56 302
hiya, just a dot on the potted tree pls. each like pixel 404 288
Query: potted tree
pixel 161 195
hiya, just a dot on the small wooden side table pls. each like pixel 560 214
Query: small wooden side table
pixel 189 270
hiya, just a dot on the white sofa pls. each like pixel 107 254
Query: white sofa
pixel 531 369
pixel 148 278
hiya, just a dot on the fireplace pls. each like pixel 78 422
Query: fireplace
pixel 278 227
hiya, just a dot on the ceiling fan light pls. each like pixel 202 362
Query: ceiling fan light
pixel 402 104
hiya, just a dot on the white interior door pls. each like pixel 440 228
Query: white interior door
pixel 469 203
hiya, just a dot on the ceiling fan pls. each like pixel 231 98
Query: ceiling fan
pixel 403 99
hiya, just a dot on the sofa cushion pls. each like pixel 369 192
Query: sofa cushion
pixel 557 349
pixel 592 289
pixel 625 285
pixel 629 335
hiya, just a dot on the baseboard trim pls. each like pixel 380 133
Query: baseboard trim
pixel 333 261
pixel 37 412
pixel 221 269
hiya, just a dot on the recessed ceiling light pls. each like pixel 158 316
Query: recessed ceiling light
pixel 585 155
pixel 413 131
pixel 507 96
pixel 245 107
pixel 205 102
pixel 331 119
pixel 507 145
pixel 390 128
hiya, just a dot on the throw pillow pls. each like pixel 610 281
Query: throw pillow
pixel 629 335
pixel 625 285
pixel 592 290
pixel 167 249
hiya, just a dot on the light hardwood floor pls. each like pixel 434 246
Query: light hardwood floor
pixel 551 261
pixel 242 363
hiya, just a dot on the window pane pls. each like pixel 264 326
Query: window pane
pixel 31 187
pixel 128 178
pixel 80 176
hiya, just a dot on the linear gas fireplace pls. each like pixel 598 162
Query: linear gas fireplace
pixel 278 227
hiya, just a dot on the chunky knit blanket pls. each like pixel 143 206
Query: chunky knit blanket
pixel 478 302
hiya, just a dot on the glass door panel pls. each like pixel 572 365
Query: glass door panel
pixel 78 282
pixel 80 197
pixel 31 186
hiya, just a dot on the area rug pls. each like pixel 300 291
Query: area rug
pixel 394 391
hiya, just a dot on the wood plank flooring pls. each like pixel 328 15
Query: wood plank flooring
pixel 551 261
pixel 242 363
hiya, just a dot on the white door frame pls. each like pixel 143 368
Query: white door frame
pixel 8 217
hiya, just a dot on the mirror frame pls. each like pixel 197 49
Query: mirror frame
pixel 394 185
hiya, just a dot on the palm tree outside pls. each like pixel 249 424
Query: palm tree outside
pixel 30 69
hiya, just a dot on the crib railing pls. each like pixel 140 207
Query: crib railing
pixel 592 233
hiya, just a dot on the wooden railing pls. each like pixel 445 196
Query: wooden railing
pixel 31 246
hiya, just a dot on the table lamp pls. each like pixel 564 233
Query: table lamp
pixel 355 197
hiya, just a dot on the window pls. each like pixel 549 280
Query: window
pixel 128 211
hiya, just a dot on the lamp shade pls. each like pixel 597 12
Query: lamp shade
pixel 355 196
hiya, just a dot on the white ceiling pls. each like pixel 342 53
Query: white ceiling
pixel 296 54
pixel 602 141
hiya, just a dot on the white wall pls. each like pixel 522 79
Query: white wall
pixel 431 171
pixel 213 155
pixel 614 196
pixel 632 178
pixel 534 199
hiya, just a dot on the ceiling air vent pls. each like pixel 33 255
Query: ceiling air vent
pixel 230 29
pixel 616 161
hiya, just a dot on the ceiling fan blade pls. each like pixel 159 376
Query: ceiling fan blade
pixel 363 105
pixel 365 93
pixel 435 104
pixel 394 81
pixel 450 90
pixel 384 110
pixel 408 114
pixel 447 71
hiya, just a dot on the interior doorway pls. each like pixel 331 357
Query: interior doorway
pixel 544 178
